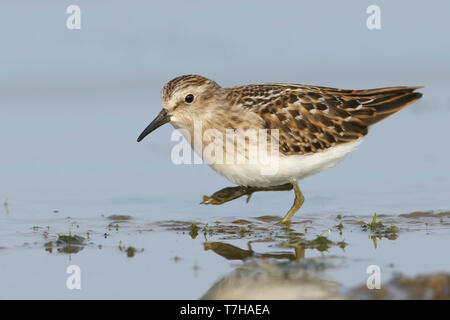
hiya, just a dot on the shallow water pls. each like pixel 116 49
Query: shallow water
pixel 70 169
pixel 72 105
pixel 190 259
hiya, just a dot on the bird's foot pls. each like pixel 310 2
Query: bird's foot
pixel 231 193
pixel 227 194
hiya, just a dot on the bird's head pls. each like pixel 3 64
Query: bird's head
pixel 185 99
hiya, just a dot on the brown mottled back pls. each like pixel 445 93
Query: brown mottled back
pixel 311 118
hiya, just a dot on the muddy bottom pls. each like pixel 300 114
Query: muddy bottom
pixel 317 256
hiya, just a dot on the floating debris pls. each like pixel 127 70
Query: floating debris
pixel 119 217
pixel 426 214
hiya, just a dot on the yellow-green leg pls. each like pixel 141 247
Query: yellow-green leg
pixel 231 193
pixel 298 202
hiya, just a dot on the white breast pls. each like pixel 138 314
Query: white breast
pixel 285 169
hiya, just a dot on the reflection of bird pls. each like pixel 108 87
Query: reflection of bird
pixel 231 252
pixel 313 128
pixel 267 279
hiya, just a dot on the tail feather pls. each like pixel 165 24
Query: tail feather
pixel 385 102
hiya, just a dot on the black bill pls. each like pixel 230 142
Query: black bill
pixel 162 118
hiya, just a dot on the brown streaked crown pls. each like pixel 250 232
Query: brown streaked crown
pixel 186 81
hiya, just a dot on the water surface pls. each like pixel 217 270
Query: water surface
pixel 73 103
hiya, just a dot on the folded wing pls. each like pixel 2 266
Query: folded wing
pixel 311 118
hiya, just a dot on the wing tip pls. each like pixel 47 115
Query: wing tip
pixel 415 96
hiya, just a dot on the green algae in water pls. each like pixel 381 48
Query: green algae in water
pixel 207 231
pixel 320 243
pixel 339 226
pixel 243 231
pixel 374 225
pixel 379 230
pixel 67 243
pixel 129 250
pixel 194 231
pixel 69 239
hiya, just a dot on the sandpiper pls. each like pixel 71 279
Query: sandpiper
pixel 316 126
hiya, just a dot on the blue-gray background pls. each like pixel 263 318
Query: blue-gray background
pixel 73 102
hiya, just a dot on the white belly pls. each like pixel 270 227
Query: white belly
pixel 285 169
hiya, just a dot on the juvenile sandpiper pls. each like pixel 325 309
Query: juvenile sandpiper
pixel 316 127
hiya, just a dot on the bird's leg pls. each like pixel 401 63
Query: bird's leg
pixel 299 199
pixel 231 193
pixel 225 195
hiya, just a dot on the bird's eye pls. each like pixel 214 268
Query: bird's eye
pixel 189 98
